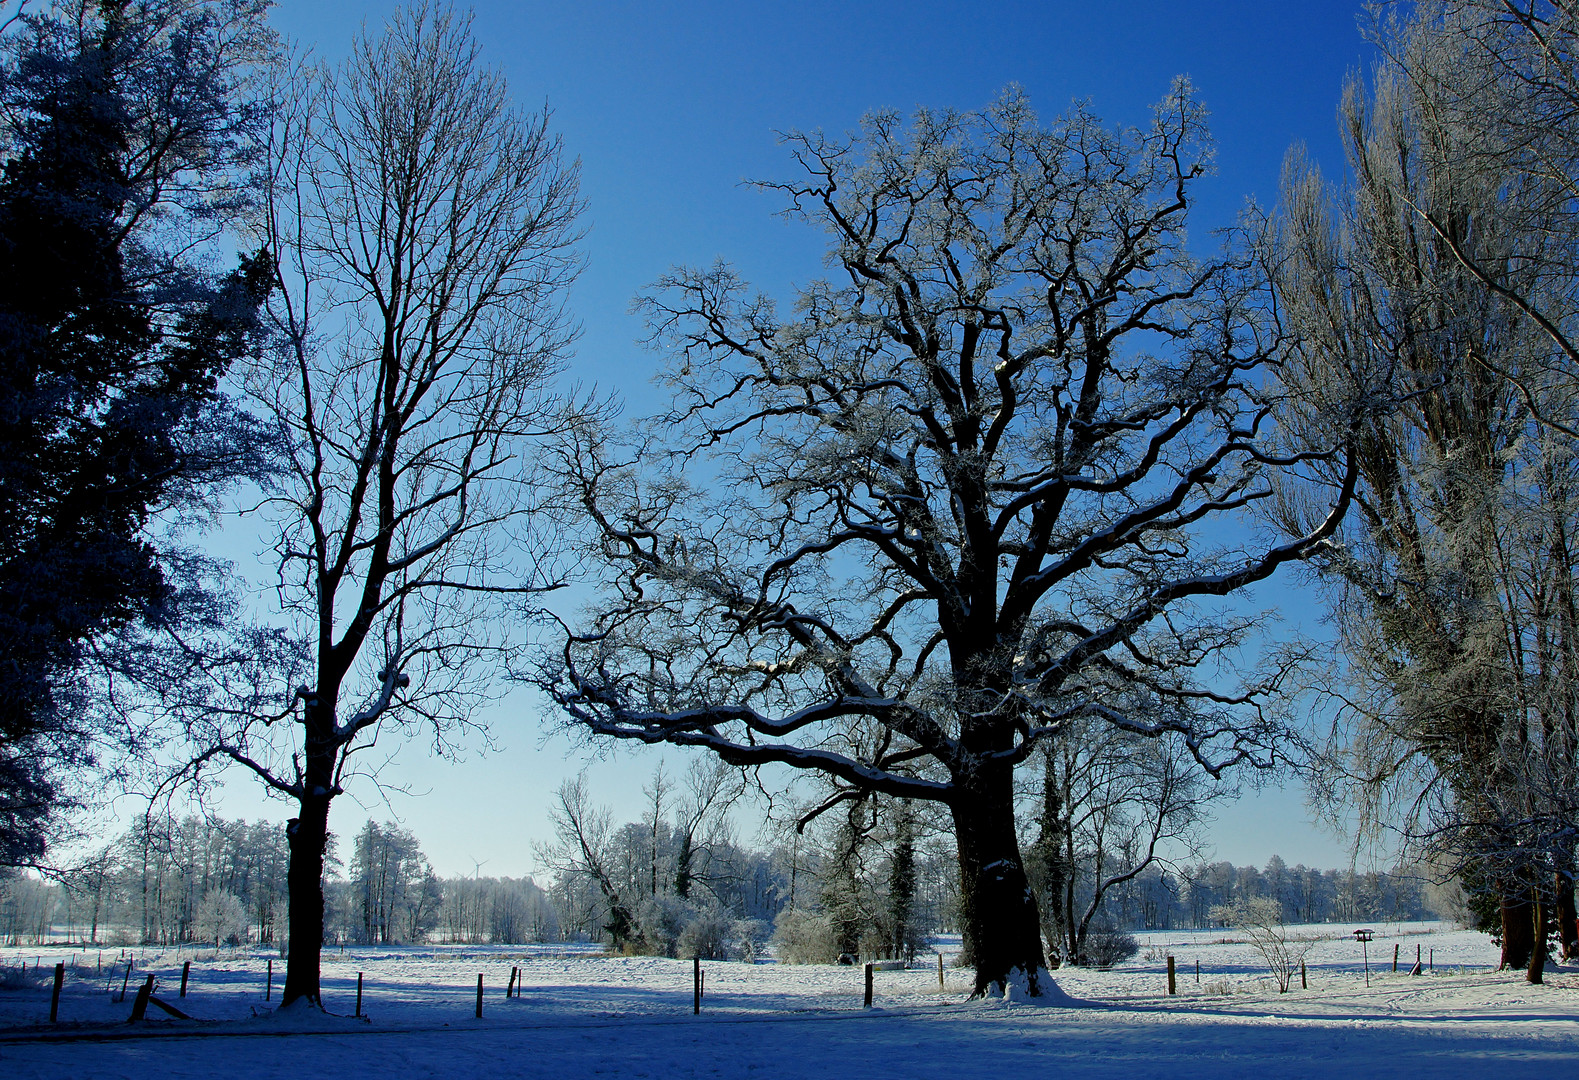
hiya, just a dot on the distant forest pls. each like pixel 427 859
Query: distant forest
pixel 194 881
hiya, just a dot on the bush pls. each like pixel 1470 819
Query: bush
pixel 1105 947
pixel 750 939
pixel 707 934
pixel 804 937
pixel 660 920
pixel 222 919
pixel 1261 920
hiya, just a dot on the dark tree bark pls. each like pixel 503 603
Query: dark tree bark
pixel 1567 921
pixel 998 914
pixel 1518 932
pixel 1538 929
pixel 307 834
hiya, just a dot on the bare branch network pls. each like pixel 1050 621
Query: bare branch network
pixel 962 489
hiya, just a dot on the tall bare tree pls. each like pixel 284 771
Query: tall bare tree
pixel 954 502
pixel 1419 292
pixel 423 231
pixel 583 848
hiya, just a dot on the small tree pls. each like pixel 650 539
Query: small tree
pixel 582 850
pixel 221 917
pixel 1260 919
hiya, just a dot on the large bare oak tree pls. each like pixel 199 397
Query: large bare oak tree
pixel 957 499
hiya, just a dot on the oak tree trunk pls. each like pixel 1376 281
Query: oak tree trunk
pixel 309 836
pixel 998 914
pixel 304 879
pixel 1566 917
pixel 1518 932
pixel 1538 934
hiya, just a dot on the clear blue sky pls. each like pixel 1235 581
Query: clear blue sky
pixel 670 106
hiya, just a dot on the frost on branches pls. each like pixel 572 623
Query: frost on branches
pixel 953 502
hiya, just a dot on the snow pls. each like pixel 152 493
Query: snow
pixel 583 1014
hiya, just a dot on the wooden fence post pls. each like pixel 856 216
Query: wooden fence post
pixel 940 971
pixel 869 968
pixel 140 1005
pixel 1303 984
pixel 1432 955
pixel 54 997
pixel 479 995
pixel 126 978
pixel 1172 989
pixel 186 969
pixel 696 985
pixel 1197 971
pixel 268 987
pixel 358 994
pixel 1395 958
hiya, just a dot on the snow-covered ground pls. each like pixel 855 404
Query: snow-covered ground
pixel 582 1014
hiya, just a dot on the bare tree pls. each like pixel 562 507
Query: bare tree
pixel 954 502
pixel 1260 919
pixel 711 788
pixel 422 230
pixel 583 848
pixel 1113 805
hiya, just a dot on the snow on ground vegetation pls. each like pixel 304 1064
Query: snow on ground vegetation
pixel 582 1014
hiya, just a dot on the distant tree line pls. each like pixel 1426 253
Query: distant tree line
pixel 197 880
pixel 875 881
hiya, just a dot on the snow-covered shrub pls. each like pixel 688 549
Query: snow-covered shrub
pixel 1104 947
pixel 707 934
pixel 1261 921
pixel 221 918
pixel 14 978
pixel 660 920
pixel 804 937
pixel 750 938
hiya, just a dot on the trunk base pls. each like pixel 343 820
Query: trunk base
pixel 1538 951
pixel 1026 988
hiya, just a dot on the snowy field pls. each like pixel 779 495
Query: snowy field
pixel 583 1014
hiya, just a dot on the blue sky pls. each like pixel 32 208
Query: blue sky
pixel 670 106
